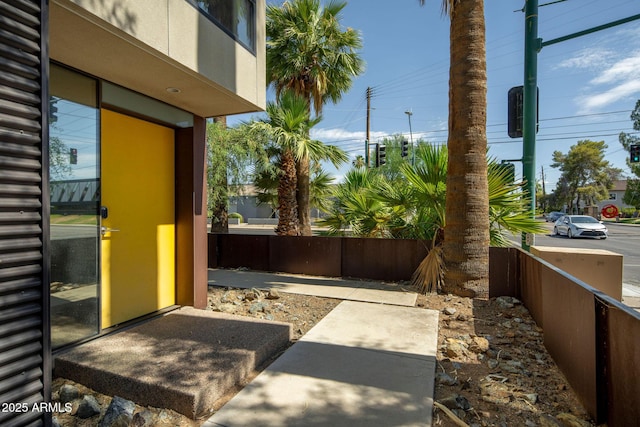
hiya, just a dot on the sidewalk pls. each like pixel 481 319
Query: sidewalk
pixel 328 287
pixel 365 363
pixel 631 296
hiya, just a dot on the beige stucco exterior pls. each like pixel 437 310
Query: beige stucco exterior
pixel 598 268
pixel 121 40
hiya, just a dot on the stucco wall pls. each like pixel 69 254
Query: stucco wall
pixel 151 45
pixel 598 268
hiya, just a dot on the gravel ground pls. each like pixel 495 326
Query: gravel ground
pixel 493 369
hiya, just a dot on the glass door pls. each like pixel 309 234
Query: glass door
pixel 74 179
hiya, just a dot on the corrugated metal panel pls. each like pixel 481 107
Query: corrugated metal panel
pixel 24 315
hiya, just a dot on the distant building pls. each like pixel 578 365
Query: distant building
pixel 616 195
pixel 246 204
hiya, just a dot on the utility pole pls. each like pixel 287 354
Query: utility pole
pixel 529 113
pixel 366 141
pixel 413 149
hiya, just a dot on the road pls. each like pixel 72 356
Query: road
pixel 623 239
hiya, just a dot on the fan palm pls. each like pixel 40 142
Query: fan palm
pixel 369 205
pixel 309 53
pixel 288 127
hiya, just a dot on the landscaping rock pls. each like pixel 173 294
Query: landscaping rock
pixel 273 294
pixel 449 311
pixel 88 408
pixel 143 419
pixel 479 345
pixel 119 413
pixel 68 393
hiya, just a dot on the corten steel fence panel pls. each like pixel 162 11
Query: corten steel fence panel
pixel 250 251
pixel 504 272
pixel 622 370
pixel 319 256
pixel 212 250
pixel 530 286
pixel 570 331
pixel 382 259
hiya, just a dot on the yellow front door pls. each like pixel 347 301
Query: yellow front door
pixel 138 199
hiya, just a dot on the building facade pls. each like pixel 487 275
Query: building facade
pixel 102 166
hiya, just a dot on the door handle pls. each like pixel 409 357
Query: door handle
pixel 104 230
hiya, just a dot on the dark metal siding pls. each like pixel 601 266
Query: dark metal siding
pixel 24 317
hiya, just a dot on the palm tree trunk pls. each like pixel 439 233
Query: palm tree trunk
pixel 302 196
pixel 466 238
pixel 287 206
pixel 220 214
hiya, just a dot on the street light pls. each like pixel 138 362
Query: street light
pixel 413 151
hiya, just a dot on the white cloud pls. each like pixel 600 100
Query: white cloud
pixel 625 69
pixel 624 90
pixel 588 58
pixel 616 78
pixel 343 135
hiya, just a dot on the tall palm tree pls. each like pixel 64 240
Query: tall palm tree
pixel 288 128
pixel 466 236
pixel 358 162
pixel 308 52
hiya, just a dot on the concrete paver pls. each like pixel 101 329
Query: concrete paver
pixel 328 287
pixel 364 364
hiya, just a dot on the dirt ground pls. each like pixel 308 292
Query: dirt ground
pixel 492 370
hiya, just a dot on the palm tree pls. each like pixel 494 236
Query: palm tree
pixel 310 54
pixel 466 236
pixel 288 128
pixel 266 182
pixel 359 162
pixel 368 204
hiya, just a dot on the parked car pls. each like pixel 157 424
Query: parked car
pixel 553 216
pixel 580 226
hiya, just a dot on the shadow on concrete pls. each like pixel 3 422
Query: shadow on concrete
pixel 184 361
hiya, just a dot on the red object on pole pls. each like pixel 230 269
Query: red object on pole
pixel 609 211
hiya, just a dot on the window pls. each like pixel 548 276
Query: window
pixel 74 168
pixel 612 196
pixel 236 17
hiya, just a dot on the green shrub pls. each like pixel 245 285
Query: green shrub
pixel 628 212
pixel 236 215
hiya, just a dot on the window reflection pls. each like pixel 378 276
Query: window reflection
pixel 75 197
pixel 235 16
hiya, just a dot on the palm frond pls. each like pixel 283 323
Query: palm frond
pixel 429 276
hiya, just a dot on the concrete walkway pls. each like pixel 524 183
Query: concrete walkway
pixel 328 287
pixel 364 364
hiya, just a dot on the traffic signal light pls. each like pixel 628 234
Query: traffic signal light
pixel 381 155
pixel 634 150
pixel 73 156
pixel 515 111
pixel 404 148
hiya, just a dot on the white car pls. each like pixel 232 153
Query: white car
pixel 580 226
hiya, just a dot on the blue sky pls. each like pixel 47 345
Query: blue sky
pixel 588 85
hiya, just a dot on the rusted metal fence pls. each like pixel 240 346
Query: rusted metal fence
pixel 377 259
pixel 594 339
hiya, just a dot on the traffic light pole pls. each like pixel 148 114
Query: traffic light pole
pixel 532 45
pixel 529 113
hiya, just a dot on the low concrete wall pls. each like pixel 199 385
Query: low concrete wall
pixel 262 221
pixel 598 268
